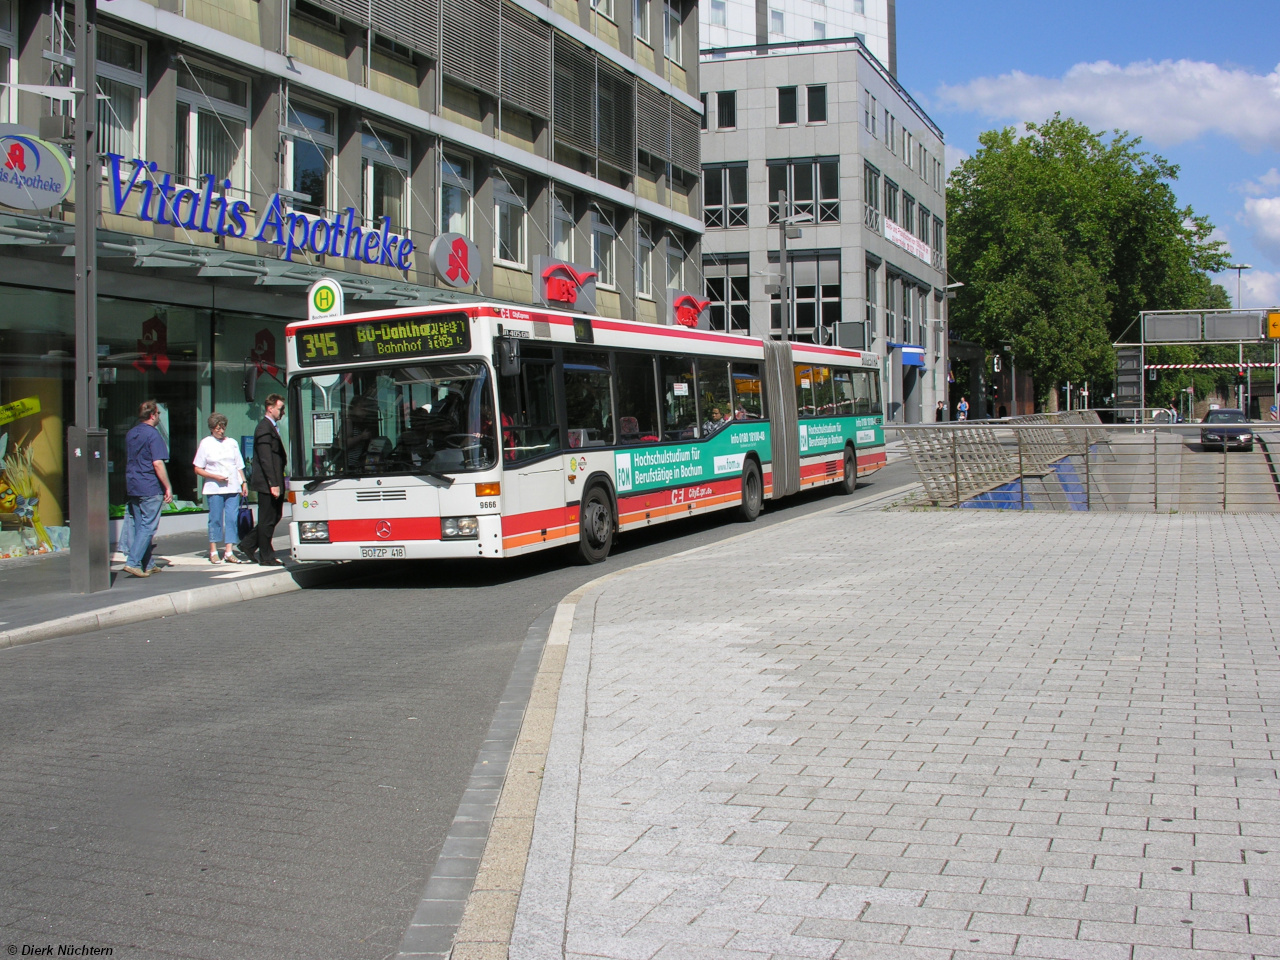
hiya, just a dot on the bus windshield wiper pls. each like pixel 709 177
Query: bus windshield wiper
pixel 313 484
pixel 440 478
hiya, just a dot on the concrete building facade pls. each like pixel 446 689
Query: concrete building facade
pixel 742 23
pixel 862 167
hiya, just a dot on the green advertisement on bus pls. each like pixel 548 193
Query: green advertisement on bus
pixel 719 456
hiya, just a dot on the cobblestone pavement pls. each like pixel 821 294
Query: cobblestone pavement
pixel 921 735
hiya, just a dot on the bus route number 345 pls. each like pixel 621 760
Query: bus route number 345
pixel 319 345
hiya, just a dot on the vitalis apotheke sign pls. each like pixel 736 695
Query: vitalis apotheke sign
pixel 204 211
pixel 34 174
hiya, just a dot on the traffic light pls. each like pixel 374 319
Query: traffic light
pixel 995 363
pixel 1241 378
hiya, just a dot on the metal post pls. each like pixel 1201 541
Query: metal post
pixel 1155 470
pixel 955 462
pixel 1224 476
pixel 1088 499
pixel 86 444
pixel 1022 477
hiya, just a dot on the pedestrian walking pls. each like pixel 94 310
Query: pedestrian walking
pixel 218 460
pixel 267 478
pixel 146 486
pixel 940 415
pixel 962 409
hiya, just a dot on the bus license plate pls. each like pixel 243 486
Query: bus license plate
pixel 381 553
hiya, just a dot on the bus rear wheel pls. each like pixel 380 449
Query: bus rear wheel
pixel 849 481
pixel 752 492
pixel 595 525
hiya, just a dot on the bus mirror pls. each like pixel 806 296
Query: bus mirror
pixel 250 383
pixel 508 357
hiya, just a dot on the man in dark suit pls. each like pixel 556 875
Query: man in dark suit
pixel 268 479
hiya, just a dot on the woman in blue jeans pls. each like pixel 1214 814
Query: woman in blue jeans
pixel 218 460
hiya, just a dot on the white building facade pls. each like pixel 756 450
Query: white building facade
pixel 861 165
pixel 741 23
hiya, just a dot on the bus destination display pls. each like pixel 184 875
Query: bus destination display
pixel 401 338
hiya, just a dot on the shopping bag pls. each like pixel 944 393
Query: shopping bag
pixel 244 522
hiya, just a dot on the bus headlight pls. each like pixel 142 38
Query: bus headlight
pixel 313 531
pixel 460 528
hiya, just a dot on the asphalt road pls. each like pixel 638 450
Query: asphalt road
pixel 275 779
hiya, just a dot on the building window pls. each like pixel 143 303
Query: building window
pixel 729 289
pixel 603 236
pixel 672 45
pixel 873 276
pixel 869 108
pixel 816 98
pixel 309 150
pixel 644 259
pixel 121 80
pixel 890 132
pixel 788 105
pixel 603 7
pixel 908 313
pixel 891 200
pixel 725 196
pixel 812 185
pixel 509 215
pixel 908 220
pixel 871 197
pixel 640 19
pixel 703 96
pixel 455 195
pixel 819 30
pixel 718 18
pixel 924 223
pixel 562 226
pixel 776 22
pixel 892 293
pixel 907 148
pixel 815 294
pixel 726 109
pixel 384 168
pixel 924 170
pixel 675 261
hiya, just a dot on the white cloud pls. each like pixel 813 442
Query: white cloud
pixel 1260 288
pixel 1262 215
pixel 954 157
pixel 1169 102
pixel 1267 183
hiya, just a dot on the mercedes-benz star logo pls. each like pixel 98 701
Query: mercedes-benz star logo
pixel 383 529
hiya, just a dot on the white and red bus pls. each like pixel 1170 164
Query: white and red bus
pixel 487 430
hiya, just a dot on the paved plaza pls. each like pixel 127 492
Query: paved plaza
pixel 868 734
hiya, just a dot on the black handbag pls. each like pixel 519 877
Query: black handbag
pixel 244 522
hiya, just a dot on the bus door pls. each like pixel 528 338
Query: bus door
pixel 533 502
pixel 589 421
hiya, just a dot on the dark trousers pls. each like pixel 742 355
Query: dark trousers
pixel 259 539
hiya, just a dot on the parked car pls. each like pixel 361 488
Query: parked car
pixel 1223 428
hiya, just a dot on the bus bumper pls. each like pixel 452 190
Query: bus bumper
pixel 488 543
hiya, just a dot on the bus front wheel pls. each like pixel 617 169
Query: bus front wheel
pixel 849 481
pixel 752 492
pixel 595 525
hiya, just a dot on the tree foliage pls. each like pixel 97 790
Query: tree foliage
pixel 1061 237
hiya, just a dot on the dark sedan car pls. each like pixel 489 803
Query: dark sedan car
pixel 1226 428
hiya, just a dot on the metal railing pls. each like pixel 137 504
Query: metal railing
pixel 1074 462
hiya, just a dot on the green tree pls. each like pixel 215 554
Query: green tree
pixel 1061 238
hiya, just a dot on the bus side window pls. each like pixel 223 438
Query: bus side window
pixel 804 390
pixel 637 399
pixel 748 395
pixel 713 394
pixel 824 401
pixel 679 399
pixel 588 398
pixel 844 393
pixel 528 409
pixel 862 392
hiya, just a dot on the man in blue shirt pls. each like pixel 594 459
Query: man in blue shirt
pixel 146 486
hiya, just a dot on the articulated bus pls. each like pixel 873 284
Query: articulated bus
pixel 491 431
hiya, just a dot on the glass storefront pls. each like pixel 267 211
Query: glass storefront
pixel 191 360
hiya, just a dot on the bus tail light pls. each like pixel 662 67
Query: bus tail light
pixel 313 531
pixel 488 489
pixel 459 528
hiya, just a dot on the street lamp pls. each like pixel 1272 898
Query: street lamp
pixel 788 229
pixel 1239 268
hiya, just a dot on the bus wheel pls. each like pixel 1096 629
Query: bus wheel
pixel 752 492
pixel 595 525
pixel 849 482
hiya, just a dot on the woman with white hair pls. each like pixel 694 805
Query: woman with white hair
pixel 218 460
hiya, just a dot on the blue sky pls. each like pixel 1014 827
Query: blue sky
pixel 1198 81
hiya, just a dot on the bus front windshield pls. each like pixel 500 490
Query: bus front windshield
pixel 427 418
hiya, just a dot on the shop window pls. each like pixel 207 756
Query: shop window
pixel 637 399
pixel 455 195
pixel 211 133
pixel 509 217
pixel 384 180
pixel 309 150
pixel 121 81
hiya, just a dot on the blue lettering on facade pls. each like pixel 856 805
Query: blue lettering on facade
pixel 202 212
